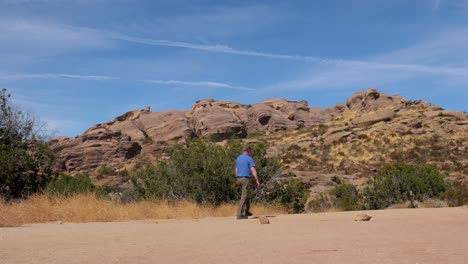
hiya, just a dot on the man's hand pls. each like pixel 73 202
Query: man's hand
pixel 254 173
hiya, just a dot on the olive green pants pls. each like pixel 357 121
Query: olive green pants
pixel 244 205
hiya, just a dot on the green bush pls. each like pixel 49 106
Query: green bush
pixel 394 184
pixel 336 179
pixel 255 134
pixel 291 194
pixel 204 172
pixel 322 203
pixel 347 197
pixel 216 137
pixel 200 172
pixel 66 185
pixel 456 194
pixel 104 170
pixel 25 160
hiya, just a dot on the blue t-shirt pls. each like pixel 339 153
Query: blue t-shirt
pixel 243 164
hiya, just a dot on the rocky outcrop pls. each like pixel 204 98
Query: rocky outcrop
pixel 211 118
pixel 444 113
pixel 372 118
pixel 227 119
pixel 365 115
pixel 372 100
pixel 144 126
pixel 91 150
pixel 146 132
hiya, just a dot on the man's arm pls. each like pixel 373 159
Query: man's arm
pixel 254 173
pixel 236 172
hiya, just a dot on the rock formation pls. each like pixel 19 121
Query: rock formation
pixel 351 133
pixel 146 132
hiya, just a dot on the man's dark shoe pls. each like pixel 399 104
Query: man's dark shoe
pixel 248 214
pixel 242 217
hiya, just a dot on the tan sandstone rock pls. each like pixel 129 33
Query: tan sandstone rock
pixel 362 217
pixel 263 220
pixel 372 100
pixel 372 118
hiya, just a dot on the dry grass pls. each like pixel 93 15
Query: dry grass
pixel 429 203
pixel 89 208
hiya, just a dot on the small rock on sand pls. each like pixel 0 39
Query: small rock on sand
pixel 263 220
pixel 362 217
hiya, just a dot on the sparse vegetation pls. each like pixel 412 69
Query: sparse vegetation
pixel 456 194
pixel 256 134
pixel 324 202
pixel 203 172
pixel 146 138
pixel 396 184
pixel 66 185
pixel 216 137
pixel 91 208
pixel 104 171
pixel 336 179
pixel 25 159
pixel 291 194
pixel 348 197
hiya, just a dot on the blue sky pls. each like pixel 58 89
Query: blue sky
pixel 78 63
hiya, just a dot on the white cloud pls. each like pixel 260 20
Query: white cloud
pixel 442 56
pixel 65 37
pixel 21 76
pixel 411 67
pixel 212 22
pixel 411 63
pixel 27 40
pixel 208 84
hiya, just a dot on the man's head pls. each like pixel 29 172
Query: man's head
pixel 247 149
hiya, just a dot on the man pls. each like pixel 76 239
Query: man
pixel 245 168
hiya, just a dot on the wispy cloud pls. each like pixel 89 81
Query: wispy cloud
pixel 199 84
pixel 212 21
pixel 26 41
pixel 212 48
pixel 405 64
pixel 436 4
pixel 52 34
pixel 21 76
pixel 445 70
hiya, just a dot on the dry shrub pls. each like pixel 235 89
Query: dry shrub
pixel 89 208
pixel 434 203
pixel 322 203
pixel 429 203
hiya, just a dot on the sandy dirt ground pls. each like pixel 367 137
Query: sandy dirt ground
pixel 392 236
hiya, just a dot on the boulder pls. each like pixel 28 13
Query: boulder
pixel 445 113
pixel 335 137
pixel 371 100
pixel 372 118
pixel 92 150
pixel 263 220
pixel 211 118
pixel 362 217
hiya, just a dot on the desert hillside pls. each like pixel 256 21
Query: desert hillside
pixel 350 141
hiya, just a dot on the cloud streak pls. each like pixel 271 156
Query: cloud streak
pixel 199 84
pixel 420 68
pixel 22 76
pixel 399 65
pixel 66 36
pixel 436 4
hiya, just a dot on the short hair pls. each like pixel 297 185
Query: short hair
pixel 247 148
